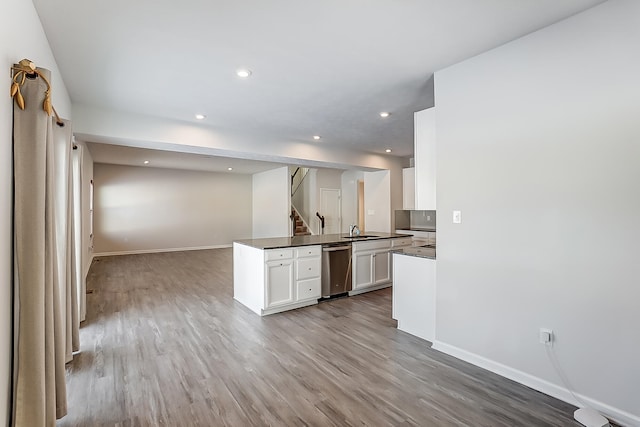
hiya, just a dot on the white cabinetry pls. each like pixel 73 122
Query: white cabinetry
pixel 372 264
pixel 425 159
pixel 409 188
pixel 274 280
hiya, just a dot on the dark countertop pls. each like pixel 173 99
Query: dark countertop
pixel 428 251
pixel 428 229
pixel 323 239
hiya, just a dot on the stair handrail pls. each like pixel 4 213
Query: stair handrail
pixel 303 175
pixel 321 217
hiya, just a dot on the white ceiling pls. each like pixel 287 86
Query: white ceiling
pixel 319 67
pixel 132 156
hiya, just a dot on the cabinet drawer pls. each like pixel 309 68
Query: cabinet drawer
pixel 404 241
pixel 308 289
pixel 308 251
pixel 276 254
pixel 307 268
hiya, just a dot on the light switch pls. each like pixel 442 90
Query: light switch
pixel 371 212
pixel 457 217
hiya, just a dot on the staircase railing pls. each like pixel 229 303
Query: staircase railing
pixel 298 196
pixel 297 177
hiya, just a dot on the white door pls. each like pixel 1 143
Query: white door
pixel 330 207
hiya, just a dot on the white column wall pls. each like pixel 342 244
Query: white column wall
pixel 349 190
pixel 377 201
pixel 271 203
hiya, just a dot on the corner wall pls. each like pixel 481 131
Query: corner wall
pixel 138 209
pixel 21 35
pixel 539 147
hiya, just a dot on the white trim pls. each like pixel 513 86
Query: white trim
pixel 370 288
pixel 287 307
pixel 154 251
pixel 617 415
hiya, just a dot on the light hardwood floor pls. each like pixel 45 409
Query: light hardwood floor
pixel 165 344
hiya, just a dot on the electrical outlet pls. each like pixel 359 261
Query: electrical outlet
pixel 546 336
pixel 457 217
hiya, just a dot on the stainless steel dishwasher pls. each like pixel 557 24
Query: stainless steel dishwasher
pixel 336 269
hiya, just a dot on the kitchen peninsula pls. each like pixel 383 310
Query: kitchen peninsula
pixel 272 275
pixel 414 290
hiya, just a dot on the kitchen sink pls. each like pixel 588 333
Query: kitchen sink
pixel 362 236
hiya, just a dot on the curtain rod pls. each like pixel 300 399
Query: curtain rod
pixel 24 69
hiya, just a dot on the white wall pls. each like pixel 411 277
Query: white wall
pixel 324 178
pixel 349 187
pixel 21 36
pixel 140 209
pixel 539 147
pixel 377 201
pixel 271 203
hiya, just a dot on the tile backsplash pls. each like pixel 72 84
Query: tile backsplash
pixel 408 219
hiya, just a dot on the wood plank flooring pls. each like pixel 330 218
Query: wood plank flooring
pixel 165 344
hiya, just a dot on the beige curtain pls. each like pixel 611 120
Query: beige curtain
pixel 63 221
pixel 46 309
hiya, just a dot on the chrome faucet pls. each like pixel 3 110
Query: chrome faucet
pixel 354 230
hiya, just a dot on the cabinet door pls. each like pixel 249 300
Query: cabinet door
pixel 362 270
pixel 408 188
pixel 279 283
pixel 425 158
pixel 381 269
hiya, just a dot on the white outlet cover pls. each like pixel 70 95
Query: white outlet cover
pixel 457 217
pixel 371 212
pixel 546 336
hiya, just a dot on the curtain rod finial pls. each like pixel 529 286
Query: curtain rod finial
pixel 28 63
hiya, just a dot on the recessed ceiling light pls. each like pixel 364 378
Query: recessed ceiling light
pixel 388 150
pixel 244 73
pixel 385 114
pixel 316 137
pixel 200 116
pixel 229 169
pixel 146 162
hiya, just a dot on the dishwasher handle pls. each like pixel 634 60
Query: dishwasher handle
pixel 336 248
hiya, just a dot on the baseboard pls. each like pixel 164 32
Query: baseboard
pixel 154 251
pixel 614 414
